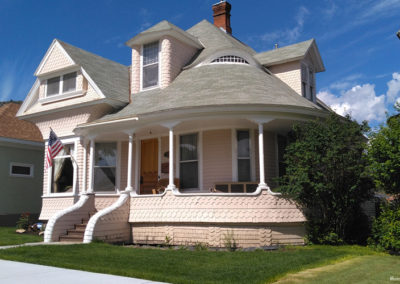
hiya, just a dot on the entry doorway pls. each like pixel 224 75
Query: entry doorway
pixel 148 165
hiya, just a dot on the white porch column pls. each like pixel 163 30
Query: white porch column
pixel 91 170
pixel 171 184
pixel 262 183
pixel 129 174
pixel 84 181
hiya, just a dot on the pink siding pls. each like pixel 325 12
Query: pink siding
pixel 135 70
pixel 217 157
pixel 51 205
pixel 174 56
pixel 101 202
pixel 289 73
pixel 56 60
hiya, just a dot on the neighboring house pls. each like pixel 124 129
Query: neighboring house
pixel 199 112
pixel 21 166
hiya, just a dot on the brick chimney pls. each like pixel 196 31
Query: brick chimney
pixel 222 16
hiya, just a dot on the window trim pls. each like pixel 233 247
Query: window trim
pixel 30 166
pixel 117 170
pixel 199 163
pixel 159 67
pixel 74 192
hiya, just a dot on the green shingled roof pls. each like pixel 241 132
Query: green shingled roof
pixel 284 54
pixel 111 77
pixel 215 85
pixel 214 40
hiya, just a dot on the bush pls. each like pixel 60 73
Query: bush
pixel 23 221
pixel 386 228
pixel 326 174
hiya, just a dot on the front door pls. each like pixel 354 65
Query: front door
pixel 148 165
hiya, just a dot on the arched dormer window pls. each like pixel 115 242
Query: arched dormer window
pixel 230 59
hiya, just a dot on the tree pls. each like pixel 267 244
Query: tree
pixel 384 155
pixel 326 174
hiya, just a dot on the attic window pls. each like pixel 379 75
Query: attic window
pixel 61 84
pixel 230 59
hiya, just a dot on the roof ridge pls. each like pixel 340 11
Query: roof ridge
pixel 90 53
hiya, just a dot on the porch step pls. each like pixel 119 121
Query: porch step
pixel 76 235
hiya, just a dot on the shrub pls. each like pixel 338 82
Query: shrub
pixel 23 221
pixel 326 174
pixel 230 242
pixel 386 228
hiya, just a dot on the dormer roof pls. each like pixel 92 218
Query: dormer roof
pixel 215 40
pixel 292 53
pixel 164 28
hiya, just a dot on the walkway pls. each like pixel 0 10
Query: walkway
pixel 19 272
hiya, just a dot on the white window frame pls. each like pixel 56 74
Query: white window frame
pixel 30 166
pixel 61 85
pixel 159 67
pixel 117 170
pixel 199 161
pixel 235 164
pixel 74 192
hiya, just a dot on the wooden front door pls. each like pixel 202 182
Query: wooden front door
pixel 148 165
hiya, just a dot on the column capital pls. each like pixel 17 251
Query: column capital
pixel 260 119
pixel 170 124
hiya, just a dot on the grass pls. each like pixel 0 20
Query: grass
pixel 363 269
pixel 8 236
pixel 184 266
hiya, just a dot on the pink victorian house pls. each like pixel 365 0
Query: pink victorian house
pixel 183 144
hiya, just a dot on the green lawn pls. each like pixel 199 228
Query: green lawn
pixel 362 269
pixel 184 266
pixel 8 236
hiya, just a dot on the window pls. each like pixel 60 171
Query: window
pixel 230 59
pixel 63 170
pixel 188 162
pixel 150 65
pixel 21 170
pixel 105 165
pixel 243 155
pixel 61 84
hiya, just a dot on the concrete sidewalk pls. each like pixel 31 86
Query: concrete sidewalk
pixel 20 272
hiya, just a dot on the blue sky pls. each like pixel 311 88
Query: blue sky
pixel 356 39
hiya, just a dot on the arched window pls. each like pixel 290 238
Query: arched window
pixel 230 59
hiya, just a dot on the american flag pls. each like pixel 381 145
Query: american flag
pixel 54 147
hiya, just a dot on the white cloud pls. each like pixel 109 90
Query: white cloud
pixel 393 93
pixel 361 102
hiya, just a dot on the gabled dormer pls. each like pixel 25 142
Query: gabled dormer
pixel 296 65
pixel 69 77
pixel 159 54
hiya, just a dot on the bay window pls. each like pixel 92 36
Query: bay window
pixel 150 65
pixel 105 165
pixel 188 162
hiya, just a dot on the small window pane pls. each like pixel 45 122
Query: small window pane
pixel 189 175
pixel 243 144
pixel 251 187
pixel 53 86
pixel 104 179
pixel 21 170
pixel 188 147
pixel 106 154
pixel 69 82
pixel 150 75
pixel 237 188
pixel 150 53
pixel 244 169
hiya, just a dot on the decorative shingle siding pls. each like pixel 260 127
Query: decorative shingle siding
pixel 174 56
pixel 135 70
pixel 217 157
pixel 188 220
pixel 55 61
pixel 52 205
pixel 101 202
pixel 289 73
